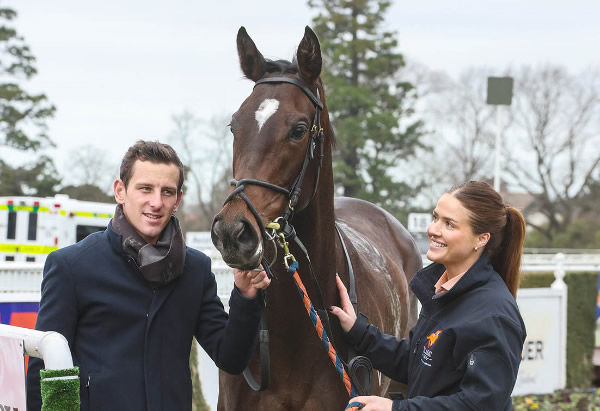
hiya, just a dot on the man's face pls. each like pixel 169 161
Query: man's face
pixel 150 197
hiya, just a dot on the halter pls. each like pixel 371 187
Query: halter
pixel 293 193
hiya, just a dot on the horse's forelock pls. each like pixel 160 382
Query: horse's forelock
pixel 280 67
pixel 291 67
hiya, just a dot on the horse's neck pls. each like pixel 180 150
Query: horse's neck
pixel 315 227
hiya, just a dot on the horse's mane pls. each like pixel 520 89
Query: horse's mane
pixel 289 67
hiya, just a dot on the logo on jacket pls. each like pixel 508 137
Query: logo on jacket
pixel 427 356
pixel 432 338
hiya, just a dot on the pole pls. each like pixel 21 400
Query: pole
pixel 497 160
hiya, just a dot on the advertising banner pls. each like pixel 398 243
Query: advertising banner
pixel 12 374
pixel 543 365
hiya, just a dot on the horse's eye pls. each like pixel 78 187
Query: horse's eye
pixel 298 131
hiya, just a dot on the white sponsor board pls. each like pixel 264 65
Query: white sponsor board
pixel 543 367
pixel 12 374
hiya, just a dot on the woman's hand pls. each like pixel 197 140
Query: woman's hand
pixel 346 314
pixel 373 403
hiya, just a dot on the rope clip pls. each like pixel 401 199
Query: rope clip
pixel 288 258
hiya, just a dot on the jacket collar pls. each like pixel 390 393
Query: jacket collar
pixel 114 238
pixel 423 282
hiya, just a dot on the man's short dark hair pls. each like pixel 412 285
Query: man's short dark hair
pixel 154 152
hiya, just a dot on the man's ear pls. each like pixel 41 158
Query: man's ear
pixel 120 190
pixel 179 196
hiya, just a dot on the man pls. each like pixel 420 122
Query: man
pixel 130 299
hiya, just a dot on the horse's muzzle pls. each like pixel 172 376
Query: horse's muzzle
pixel 237 241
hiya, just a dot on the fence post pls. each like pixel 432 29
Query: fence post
pixel 559 272
pixel 559 284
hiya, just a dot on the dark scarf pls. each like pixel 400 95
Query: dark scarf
pixel 159 263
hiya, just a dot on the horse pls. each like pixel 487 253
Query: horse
pixel 282 169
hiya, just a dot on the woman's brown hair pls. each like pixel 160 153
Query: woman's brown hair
pixel 506 225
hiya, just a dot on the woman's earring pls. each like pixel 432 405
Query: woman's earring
pixel 476 248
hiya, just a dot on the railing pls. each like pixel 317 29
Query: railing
pixel 567 261
pixel 59 381
pixel 51 346
pixel 21 281
pixel 18 280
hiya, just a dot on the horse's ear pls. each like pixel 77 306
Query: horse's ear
pixel 308 56
pixel 251 61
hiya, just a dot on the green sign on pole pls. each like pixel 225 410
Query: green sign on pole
pixel 499 90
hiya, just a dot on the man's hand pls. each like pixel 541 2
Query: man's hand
pixel 249 281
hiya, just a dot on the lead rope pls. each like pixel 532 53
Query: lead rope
pixel 316 320
pixel 292 267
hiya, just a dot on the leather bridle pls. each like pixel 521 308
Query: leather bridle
pixel 315 143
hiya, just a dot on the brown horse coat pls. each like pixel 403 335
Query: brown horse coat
pixel 271 131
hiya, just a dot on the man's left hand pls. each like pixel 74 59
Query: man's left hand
pixel 249 282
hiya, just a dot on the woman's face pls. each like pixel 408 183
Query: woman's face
pixel 451 239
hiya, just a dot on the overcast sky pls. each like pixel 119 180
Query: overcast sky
pixel 118 71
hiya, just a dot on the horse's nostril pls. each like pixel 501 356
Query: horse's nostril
pixel 216 233
pixel 243 233
pixel 246 235
pixel 237 230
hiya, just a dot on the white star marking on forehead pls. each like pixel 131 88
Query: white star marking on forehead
pixel 266 109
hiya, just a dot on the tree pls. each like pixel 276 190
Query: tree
pixel 91 174
pixel 460 125
pixel 87 192
pixel 370 106
pixel 205 150
pixel 551 143
pixel 39 178
pixel 19 110
pixel 23 117
pixel 555 150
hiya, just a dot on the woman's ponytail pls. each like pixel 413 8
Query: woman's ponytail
pixel 506 259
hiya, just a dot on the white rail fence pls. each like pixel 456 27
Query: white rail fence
pixel 25 278
pixel 20 281
pixel 543 309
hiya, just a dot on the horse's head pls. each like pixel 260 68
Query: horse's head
pixel 277 148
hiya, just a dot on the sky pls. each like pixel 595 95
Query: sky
pixel 118 71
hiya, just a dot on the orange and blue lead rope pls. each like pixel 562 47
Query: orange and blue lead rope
pixel 316 320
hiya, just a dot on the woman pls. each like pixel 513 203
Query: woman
pixel 465 350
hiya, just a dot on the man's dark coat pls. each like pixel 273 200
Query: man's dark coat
pixel 132 341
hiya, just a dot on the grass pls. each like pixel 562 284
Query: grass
pixel 560 400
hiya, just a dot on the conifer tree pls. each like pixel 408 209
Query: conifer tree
pixel 23 116
pixel 370 107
